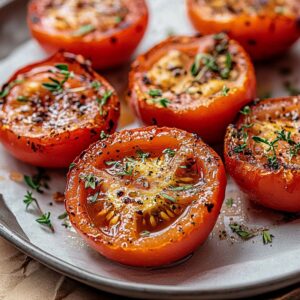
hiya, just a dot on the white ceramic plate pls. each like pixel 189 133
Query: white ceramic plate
pixel 222 268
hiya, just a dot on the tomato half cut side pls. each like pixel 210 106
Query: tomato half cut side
pixel 264 28
pixel 107 32
pixel 198 84
pixel 262 153
pixel 147 196
pixel 52 110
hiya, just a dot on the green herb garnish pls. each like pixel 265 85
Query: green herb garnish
pixel 155 93
pixel 29 199
pixel 84 30
pixel 45 220
pixel 62 216
pixel 90 181
pixel 170 152
pixel 181 188
pixel 267 237
pixel 242 232
pixel 168 197
pixel 103 100
pixel 229 202
pixel 96 85
pixel 142 155
pixel 225 90
pixel 246 110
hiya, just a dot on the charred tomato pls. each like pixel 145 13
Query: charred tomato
pixel 51 110
pixel 106 32
pixel 264 28
pixel 262 153
pixel 147 196
pixel 198 84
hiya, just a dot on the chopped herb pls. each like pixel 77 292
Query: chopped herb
pixel 72 165
pixel 163 101
pixel 103 135
pixel 142 155
pixel 229 202
pixel 168 197
pixel 145 233
pixel 45 220
pixel 267 237
pixel 103 100
pixel 5 90
pixel 127 170
pixel 84 30
pixel 169 152
pixel 62 216
pixel 208 60
pixel 219 36
pixel 272 159
pixel 56 86
pixel 62 67
pixel 90 181
pixel 241 231
pixel 29 199
pixel 96 85
pixel 295 150
pixel 22 99
pixel 93 198
pixel 225 90
pixel 228 66
pixel 32 183
pixel 155 93
pixel 181 188
pixel 240 148
pixel 246 110
pixel 112 163
pixel 118 19
pixel 285 136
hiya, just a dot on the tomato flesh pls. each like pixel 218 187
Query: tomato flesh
pixel 52 110
pixel 148 200
pixel 262 153
pixel 194 83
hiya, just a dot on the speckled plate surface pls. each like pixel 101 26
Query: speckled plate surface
pixel 224 267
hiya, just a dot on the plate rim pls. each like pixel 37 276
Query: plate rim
pixel 121 287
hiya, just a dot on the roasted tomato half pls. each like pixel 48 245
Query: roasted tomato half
pixel 194 83
pixel 52 110
pixel 106 32
pixel 262 153
pixel 264 28
pixel 147 196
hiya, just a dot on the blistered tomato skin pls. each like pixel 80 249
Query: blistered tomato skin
pixel 52 110
pixel 264 28
pixel 106 32
pixel 262 153
pixel 147 196
pixel 198 84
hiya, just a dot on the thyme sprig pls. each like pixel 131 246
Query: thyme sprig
pixel 56 86
pixel 272 159
pixel 36 183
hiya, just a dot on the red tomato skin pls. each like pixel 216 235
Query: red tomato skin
pixel 60 152
pixel 211 121
pixel 160 256
pixel 106 52
pixel 264 38
pixel 275 189
pixel 264 187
